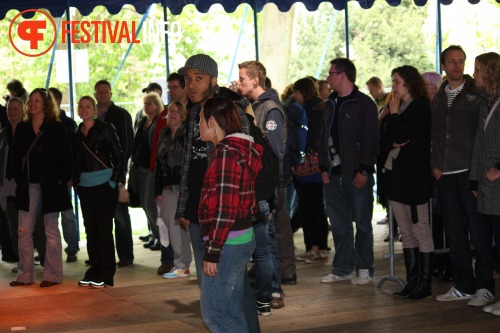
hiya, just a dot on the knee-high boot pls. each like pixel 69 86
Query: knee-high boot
pixel 411 264
pixel 423 289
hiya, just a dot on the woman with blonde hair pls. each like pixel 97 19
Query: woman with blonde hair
pixel 43 167
pixel 167 180
pixel 99 165
pixel 142 176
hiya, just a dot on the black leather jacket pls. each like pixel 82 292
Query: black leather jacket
pixel 103 141
pixel 169 158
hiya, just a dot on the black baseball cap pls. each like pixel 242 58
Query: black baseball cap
pixel 152 86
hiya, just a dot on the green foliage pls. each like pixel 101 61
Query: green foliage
pixel 380 39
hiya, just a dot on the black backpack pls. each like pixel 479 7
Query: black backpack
pixel 296 122
pixel 268 177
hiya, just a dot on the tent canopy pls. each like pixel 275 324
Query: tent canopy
pixel 57 7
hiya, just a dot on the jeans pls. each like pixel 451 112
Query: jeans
pixel 52 270
pixel 345 203
pixel 291 199
pixel 123 233
pixel 70 231
pixel 222 296
pixel 198 249
pixel 266 257
pixel 461 219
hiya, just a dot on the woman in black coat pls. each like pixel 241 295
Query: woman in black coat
pixel 42 165
pixel 99 165
pixel 409 188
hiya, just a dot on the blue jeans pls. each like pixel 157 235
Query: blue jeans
pixel 291 200
pixel 222 296
pixel 70 230
pixel 123 233
pixel 461 219
pixel 198 249
pixel 266 256
pixel 345 203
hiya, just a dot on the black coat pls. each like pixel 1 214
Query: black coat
pixel 103 142
pixel 410 181
pixel 52 151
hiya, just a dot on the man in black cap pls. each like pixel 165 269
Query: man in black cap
pixel 200 74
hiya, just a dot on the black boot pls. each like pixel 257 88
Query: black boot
pixel 423 289
pixel 411 264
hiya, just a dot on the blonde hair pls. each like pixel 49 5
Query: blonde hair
pixel 181 107
pixel 155 98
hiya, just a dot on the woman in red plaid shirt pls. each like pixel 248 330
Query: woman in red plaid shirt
pixel 226 207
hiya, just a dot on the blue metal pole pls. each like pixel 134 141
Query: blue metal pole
pixel 53 55
pixel 71 102
pixel 242 25
pixel 346 13
pixel 439 41
pixel 130 46
pixel 327 43
pixel 256 30
pixel 165 20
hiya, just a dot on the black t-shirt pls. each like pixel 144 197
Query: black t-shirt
pixel 197 168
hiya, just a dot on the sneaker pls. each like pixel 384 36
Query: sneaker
pixel 98 285
pixel 334 278
pixel 481 298
pixel 84 283
pixel 317 257
pixel 277 300
pixel 490 308
pixel 453 295
pixel 362 278
pixel 15 269
pixel 177 272
pixel 304 257
pixel 263 308
pixel 385 220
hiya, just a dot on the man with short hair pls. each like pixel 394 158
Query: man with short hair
pixel 68 220
pixel 455 120
pixel 200 74
pixel 122 121
pixel 271 119
pixel 348 149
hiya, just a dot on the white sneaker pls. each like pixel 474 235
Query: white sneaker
pixel 481 298
pixel 363 278
pixel 177 272
pixel 334 278
pixel 453 295
pixel 491 307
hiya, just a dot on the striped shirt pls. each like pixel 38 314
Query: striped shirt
pixel 452 93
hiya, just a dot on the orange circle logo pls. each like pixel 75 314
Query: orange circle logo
pixel 30 33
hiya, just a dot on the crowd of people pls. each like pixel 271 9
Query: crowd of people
pixel 230 173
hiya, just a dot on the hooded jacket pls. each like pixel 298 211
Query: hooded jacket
pixel 228 192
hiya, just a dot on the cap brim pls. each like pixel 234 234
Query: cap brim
pixel 183 70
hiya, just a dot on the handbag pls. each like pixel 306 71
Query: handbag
pixel 308 166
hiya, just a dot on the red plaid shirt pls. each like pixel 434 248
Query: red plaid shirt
pixel 228 193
